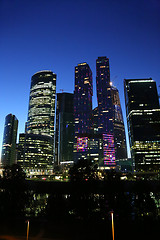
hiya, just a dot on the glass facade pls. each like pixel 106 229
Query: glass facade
pixel 118 125
pixel 90 146
pixel 143 120
pixel 64 128
pixel 9 140
pixel 41 110
pixel 105 107
pixel 35 153
pixel 36 147
pixel 82 102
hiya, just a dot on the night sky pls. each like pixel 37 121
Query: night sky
pixel 57 35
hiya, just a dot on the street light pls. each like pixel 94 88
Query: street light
pixel 112 225
pixel 27 229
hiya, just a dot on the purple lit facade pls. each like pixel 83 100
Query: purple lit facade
pixel 82 144
pixel 105 110
pixel 108 150
pixel 90 146
pixel 82 103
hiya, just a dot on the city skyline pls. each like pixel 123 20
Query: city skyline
pixel 68 34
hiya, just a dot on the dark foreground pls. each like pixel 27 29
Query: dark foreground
pixel 80 211
pixel 41 229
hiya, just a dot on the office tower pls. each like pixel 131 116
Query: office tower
pixel 35 153
pixel 9 140
pixel 64 129
pixel 90 146
pixel 82 103
pixel 41 110
pixel 40 124
pixel 118 125
pixel 105 110
pixel 143 120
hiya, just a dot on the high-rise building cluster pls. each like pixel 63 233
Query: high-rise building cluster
pixel 63 128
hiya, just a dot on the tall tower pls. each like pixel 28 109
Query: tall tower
pixel 64 129
pixel 105 110
pixel 118 124
pixel 104 99
pixel 41 111
pixel 143 120
pixel 9 140
pixel 82 103
pixel 36 146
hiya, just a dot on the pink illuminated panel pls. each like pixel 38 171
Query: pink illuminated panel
pixel 108 149
pixel 82 144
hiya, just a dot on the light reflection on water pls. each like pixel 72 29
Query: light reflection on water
pixel 130 205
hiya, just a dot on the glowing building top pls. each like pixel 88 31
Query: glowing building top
pixel 41 110
pixel 83 99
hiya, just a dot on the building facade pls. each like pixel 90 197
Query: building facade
pixel 40 124
pixel 64 129
pixel 82 103
pixel 105 110
pixel 8 156
pixel 41 112
pixel 118 125
pixel 90 146
pixel 35 153
pixel 143 121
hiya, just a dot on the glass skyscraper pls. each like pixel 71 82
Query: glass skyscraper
pixel 82 104
pixel 105 110
pixel 64 129
pixel 35 153
pixel 118 125
pixel 9 140
pixel 143 120
pixel 40 124
pixel 41 110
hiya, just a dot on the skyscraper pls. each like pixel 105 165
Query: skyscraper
pixel 118 125
pixel 35 153
pixel 105 106
pixel 41 110
pixel 9 140
pixel 105 110
pixel 40 125
pixel 143 120
pixel 64 128
pixel 82 103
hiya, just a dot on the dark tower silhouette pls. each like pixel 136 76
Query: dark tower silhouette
pixel 9 140
pixel 118 124
pixel 64 128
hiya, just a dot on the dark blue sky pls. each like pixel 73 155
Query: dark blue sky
pixel 57 35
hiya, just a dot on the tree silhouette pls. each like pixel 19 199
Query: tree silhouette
pixel 84 170
pixel 15 191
